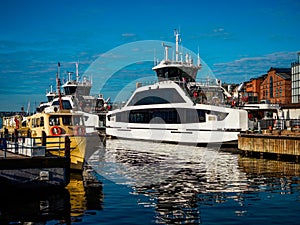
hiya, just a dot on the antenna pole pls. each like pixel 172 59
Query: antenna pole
pixel 77 73
pixel 199 61
pixel 166 51
pixel 176 33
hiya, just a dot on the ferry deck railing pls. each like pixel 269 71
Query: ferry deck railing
pixel 58 146
pixel 278 124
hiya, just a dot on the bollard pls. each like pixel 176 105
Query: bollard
pixel 3 145
pixel 44 137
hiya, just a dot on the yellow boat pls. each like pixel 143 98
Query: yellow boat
pixel 55 125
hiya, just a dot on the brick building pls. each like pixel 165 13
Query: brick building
pixel 252 89
pixel 276 87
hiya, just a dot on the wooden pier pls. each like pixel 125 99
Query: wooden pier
pixel 277 143
pixel 24 164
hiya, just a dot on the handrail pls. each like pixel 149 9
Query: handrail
pixel 58 146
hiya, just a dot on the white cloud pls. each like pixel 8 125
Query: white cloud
pixel 128 35
pixel 248 67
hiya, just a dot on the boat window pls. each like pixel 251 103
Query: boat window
pixel 65 103
pixel 69 90
pixel 173 73
pixel 67 120
pixel 42 121
pixel 212 95
pixel 54 121
pixel 156 96
pixel 78 120
pixel 33 122
pixel 168 116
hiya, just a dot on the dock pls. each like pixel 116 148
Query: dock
pixel 278 143
pixel 25 164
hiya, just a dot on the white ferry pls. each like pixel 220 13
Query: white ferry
pixel 177 108
pixel 76 97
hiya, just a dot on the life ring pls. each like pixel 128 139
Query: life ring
pixel 55 131
pixel 79 130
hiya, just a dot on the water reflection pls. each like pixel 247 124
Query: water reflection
pixel 61 206
pixel 182 181
pixel 84 197
pixel 271 175
pixel 35 206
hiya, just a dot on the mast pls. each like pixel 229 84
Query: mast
pixel 198 59
pixel 58 87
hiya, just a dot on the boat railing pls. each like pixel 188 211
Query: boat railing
pixel 58 146
pixel 276 124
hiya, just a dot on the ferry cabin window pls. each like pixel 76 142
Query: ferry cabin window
pixel 156 96
pixel 78 120
pixel 42 121
pixel 33 122
pixel 72 120
pixel 37 122
pixel 168 116
pixel 67 120
pixel 213 95
pixel 54 121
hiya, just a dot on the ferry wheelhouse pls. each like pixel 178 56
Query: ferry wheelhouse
pixel 76 97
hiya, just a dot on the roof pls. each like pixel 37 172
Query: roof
pixel 281 70
pixel 284 76
pixel 284 73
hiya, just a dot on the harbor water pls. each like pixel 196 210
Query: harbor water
pixel 159 183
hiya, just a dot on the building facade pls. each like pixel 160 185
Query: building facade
pixel 295 78
pixel 252 89
pixel 276 87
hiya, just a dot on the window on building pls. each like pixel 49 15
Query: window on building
pixel 271 87
pixel 280 92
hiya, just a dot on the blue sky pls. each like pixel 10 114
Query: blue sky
pixel 236 39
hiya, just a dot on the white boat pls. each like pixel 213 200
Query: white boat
pixel 177 108
pixel 76 97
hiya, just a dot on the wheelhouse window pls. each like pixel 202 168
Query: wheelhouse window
pixel 156 96
pixel 65 103
pixel 69 90
pixel 173 73
pixel 73 120
pixel 54 121
pixel 67 120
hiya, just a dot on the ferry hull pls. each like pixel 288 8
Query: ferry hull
pixel 192 136
pixel 77 150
